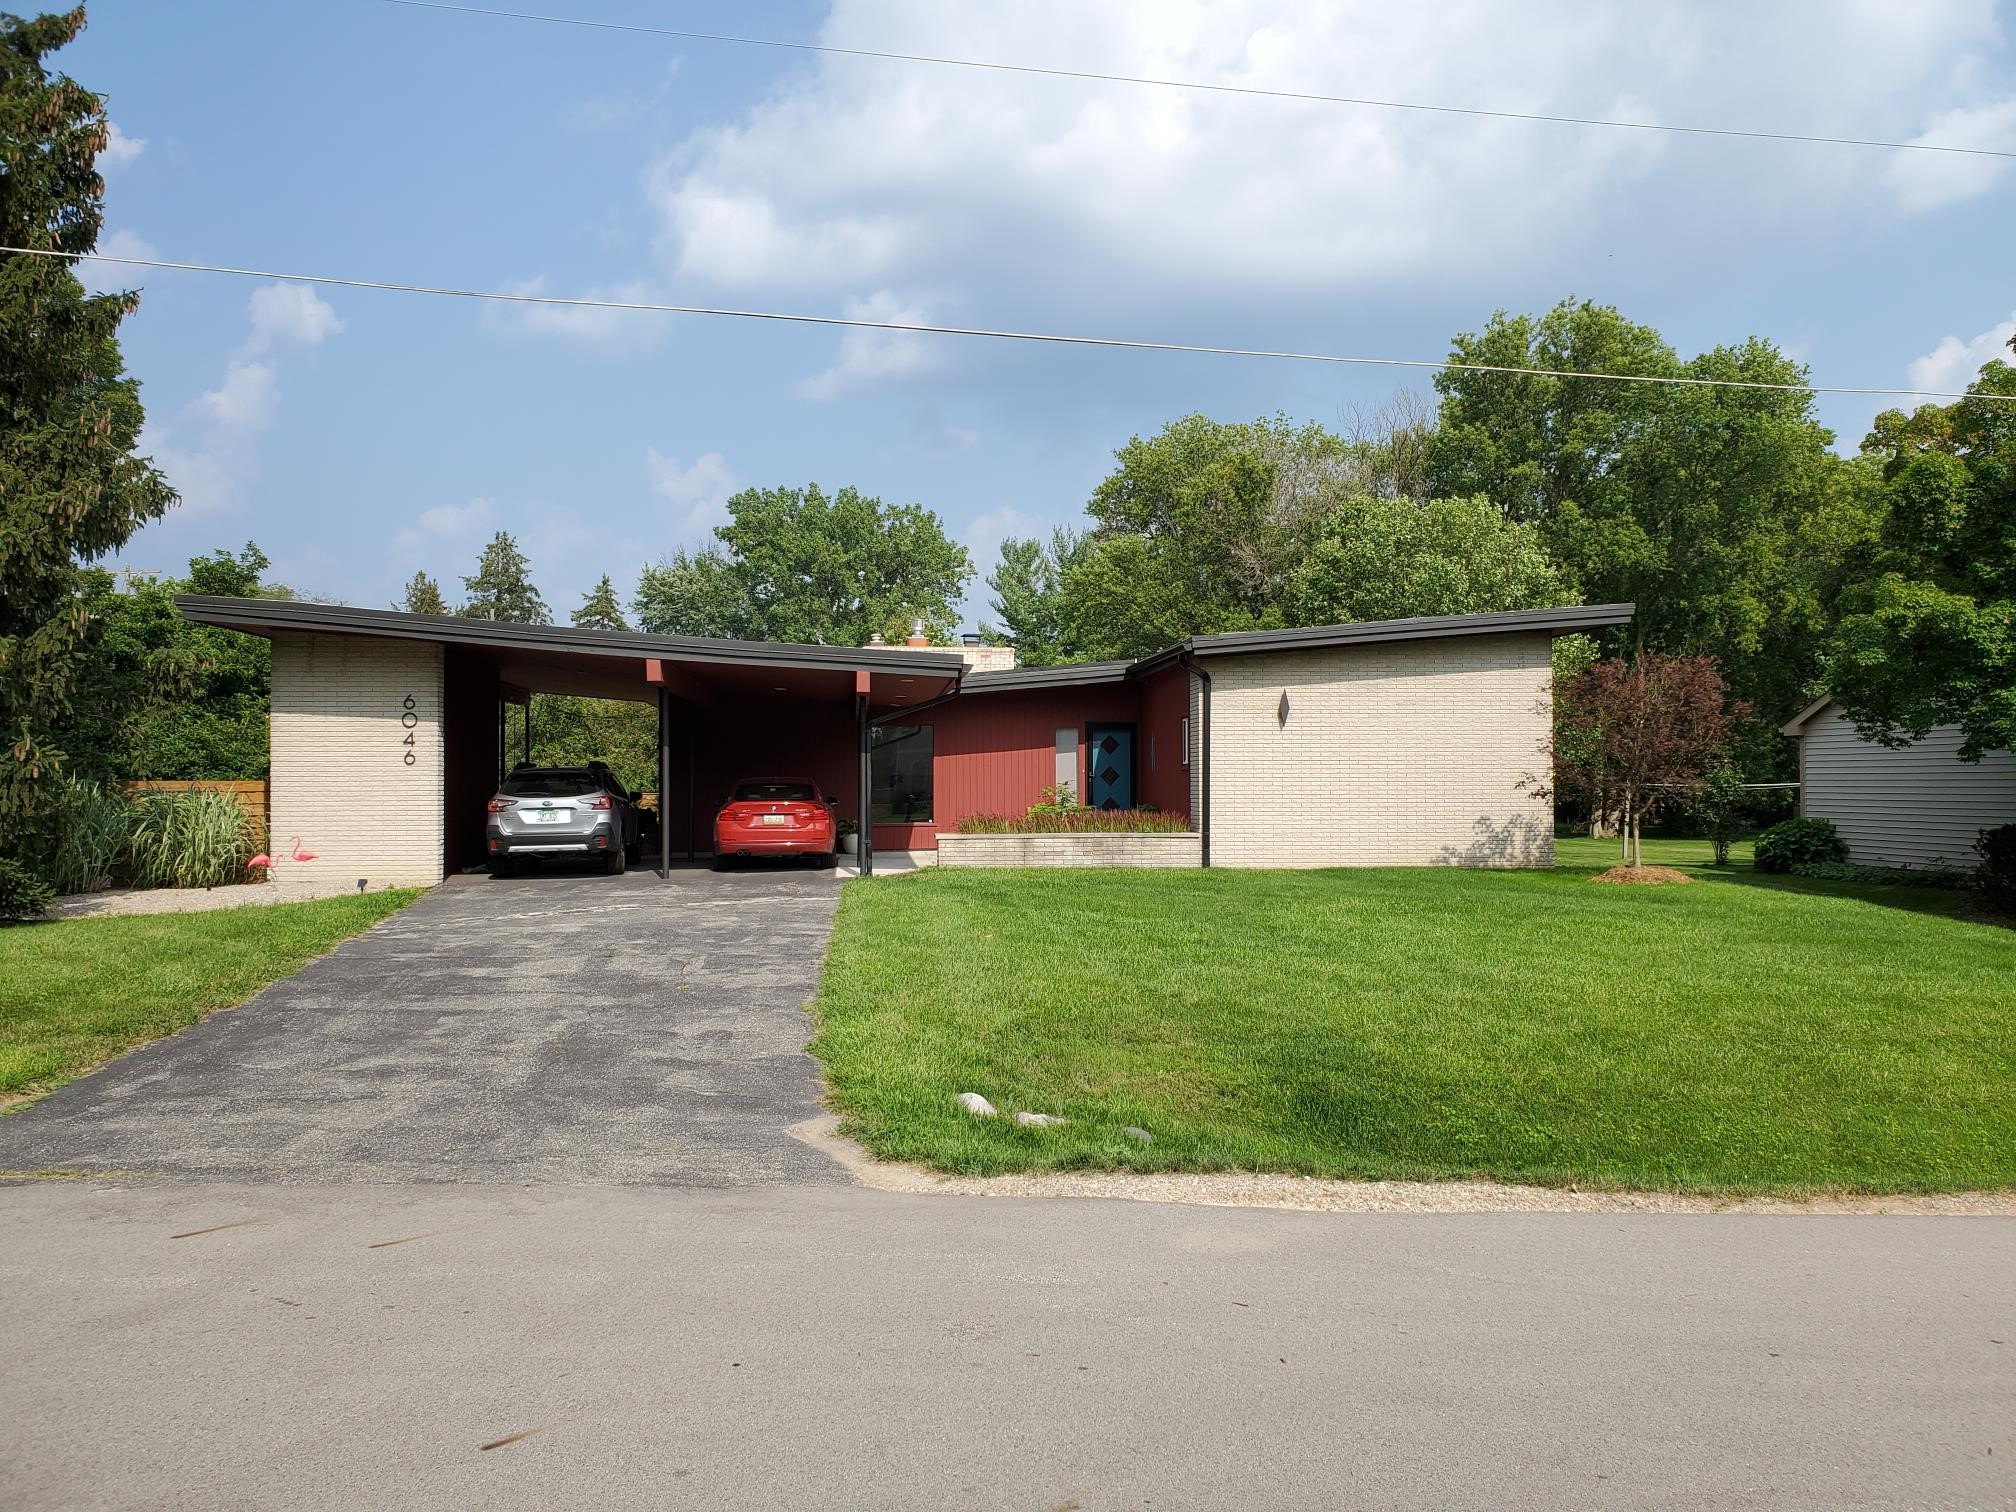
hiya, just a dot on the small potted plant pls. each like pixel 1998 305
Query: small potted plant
pixel 850 836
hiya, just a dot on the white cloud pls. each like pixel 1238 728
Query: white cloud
pixel 699 492
pixel 869 357
pixel 247 397
pixel 289 312
pixel 854 176
pixel 588 324
pixel 104 278
pixel 120 149
pixel 209 451
pixel 444 524
pixel 985 533
pixel 1952 365
pixel 1929 180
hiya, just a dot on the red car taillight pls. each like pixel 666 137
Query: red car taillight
pixel 600 803
pixel 498 805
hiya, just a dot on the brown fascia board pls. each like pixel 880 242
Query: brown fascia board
pixel 1571 620
pixel 1796 725
pixel 276 616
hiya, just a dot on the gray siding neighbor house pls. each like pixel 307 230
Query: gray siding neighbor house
pixel 1915 805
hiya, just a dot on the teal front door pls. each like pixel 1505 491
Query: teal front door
pixel 1109 766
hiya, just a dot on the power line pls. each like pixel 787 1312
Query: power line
pixel 1050 338
pixel 1227 89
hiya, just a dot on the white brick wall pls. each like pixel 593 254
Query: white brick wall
pixel 341 780
pixel 1408 754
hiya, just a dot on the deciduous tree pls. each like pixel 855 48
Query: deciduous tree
pixel 1928 629
pixel 1630 737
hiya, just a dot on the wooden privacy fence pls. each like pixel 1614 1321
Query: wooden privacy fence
pixel 251 796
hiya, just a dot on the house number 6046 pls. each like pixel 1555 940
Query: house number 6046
pixel 409 718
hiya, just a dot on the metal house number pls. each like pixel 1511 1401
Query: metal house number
pixel 409 718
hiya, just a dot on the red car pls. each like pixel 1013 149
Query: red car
pixel 775 817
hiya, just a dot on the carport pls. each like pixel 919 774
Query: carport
pixel 382 718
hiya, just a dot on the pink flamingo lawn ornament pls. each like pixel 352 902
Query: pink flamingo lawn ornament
pixel 265 862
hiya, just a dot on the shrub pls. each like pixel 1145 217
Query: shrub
pixel 90 826
pixel 1076 821
pixel 1997 877
pixel 1718 808
pixel 1797 842
pixel 23 895
pixel 1882 876
pixel 197 838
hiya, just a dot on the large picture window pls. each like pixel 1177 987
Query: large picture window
pixel 900 775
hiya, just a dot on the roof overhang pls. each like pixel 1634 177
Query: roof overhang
pixel 610 663
pixel 1021 679
pixel 1796 725
pixel 1574 619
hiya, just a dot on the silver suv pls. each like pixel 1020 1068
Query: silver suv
pixel 562 811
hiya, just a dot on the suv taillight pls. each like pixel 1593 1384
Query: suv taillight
pixel 499 804
pixel 601 802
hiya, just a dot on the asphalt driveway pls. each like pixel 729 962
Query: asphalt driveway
pixel 545 1029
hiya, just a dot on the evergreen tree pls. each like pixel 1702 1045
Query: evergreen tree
pixel 502 587
pixel 70 486
pixel 600 610
pixel 423 596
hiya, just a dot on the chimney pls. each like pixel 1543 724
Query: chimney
pixel 917 635
pixel 970 638
pixel 876 639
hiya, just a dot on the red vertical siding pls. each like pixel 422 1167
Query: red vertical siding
pixel 1162 779
pixel 994 753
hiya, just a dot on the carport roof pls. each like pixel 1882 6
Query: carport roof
pixel 273 616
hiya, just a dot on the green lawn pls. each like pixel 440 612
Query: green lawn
pixel 1742 1034
pixel 76 992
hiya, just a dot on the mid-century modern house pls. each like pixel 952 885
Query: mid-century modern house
pixel 1913 805
pixel 1397 743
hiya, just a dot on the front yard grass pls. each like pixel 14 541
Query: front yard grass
pixel 1742 1035
pixel 76 992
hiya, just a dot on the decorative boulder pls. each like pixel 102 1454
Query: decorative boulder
pixel 1038 1120
pixel 1134 1131
pixel 977 1105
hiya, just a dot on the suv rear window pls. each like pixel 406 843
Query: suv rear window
pixel 773 792
pixel 560 783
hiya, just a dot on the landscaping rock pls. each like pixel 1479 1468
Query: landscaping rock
pixel 1038 1120
pixel 1134 1131
pixel 977 1105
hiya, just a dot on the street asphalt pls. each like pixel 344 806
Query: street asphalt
pixel 495 1207
pixel 814 1347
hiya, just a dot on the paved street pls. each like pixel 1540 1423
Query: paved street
pixel 801 1347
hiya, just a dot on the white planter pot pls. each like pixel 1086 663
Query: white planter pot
pixel 850 845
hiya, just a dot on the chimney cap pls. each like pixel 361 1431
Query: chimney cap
pixel 970 638
pixel 917 635
pixel 876 639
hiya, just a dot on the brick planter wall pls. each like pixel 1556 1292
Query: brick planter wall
pixel 1184 849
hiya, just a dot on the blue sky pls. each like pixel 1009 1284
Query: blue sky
pixel 360 436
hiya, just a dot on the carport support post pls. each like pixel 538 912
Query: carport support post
pixel 864 837
pixel 665 784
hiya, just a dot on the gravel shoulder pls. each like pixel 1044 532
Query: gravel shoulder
pixel 1314 1195
pixel 161 900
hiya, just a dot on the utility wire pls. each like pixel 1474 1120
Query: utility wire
pixel 1042 337
pixel 1226 89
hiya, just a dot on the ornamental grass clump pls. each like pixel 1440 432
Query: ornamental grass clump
pixel 91 825
pixel 196 838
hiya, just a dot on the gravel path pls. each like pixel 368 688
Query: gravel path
pixel 1312 1195
pixel 159 900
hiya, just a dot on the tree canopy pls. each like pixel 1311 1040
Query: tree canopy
pixel 1927 634
pixel 159 697
pixel 501 588
pixel 71 488
pixel 797 565
pixel 600 609
pixel 423 596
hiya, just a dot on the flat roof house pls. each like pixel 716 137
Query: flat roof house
pixel 1393 743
